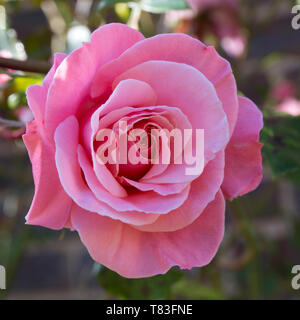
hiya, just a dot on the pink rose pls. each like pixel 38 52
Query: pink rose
pixel 290 106
pixel 140 219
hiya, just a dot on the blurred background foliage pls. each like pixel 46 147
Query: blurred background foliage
pixel 262 240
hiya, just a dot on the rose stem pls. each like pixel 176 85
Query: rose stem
pixel 11 123
pixel 27 65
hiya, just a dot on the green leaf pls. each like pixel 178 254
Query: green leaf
pixel 153 6
pixel 158 287
pixel 161 6
pixel 294 176
pixel 281 138
pixel 21 83
pixel 109 3
pixel 191 290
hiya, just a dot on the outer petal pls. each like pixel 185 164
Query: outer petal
pixel 72 80
pixel 37 95
pixel 51 206
pixel 36 98
pixel 177 48
pixel 136 254
pixel 243 169
pixel 57 60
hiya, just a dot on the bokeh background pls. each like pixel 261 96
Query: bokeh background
pixel 262 239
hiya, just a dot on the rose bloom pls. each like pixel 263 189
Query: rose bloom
pixel 140 220
pixel 290 106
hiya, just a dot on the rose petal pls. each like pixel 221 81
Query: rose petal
pixel 203 191
pixel 36 98
pixel 57 60
pixel 145 202
pixel 177 48
pixel 128 93
pixel 171 114
pixel 162 189
pixel 50 206
pixel 66 140
pixel 121 97
pixel 185 95
pixel 243 169
pixel 73 77
pixel 178 85
pixel 37 95
pixel 136 254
